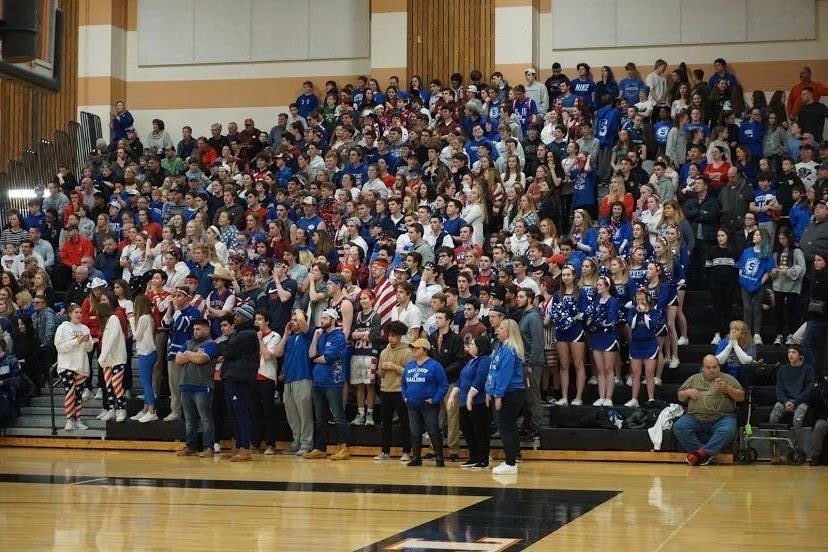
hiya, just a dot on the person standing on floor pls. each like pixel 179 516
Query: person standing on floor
pixel 73 342
pixel 298 381
pixel 329 353
pixel 264 405
pixel 178 321
pixel 423 387
pixel 112 359
pixel 238 372
pixel 392 361
pixel 470 394
pixel 818 402
pixel 365 348
pixel 506 391
pixel 197 365
pixel 447 350
pixel 531 332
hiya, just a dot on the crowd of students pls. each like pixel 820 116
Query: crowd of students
pixel 451 252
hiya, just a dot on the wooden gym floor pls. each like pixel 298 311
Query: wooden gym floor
pixel 79 500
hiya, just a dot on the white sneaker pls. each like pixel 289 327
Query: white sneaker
pixel 138 416
pixel 128 393
pixel 405 457
pixel 674 363
pixel 683 341
pixel 789 339
pixel 778 339
pixel 152 417
pixel 171 417
pixel 757 339
pixel 101 415
pixel 70 425
pixel 629 381
pixel 120 415
pixel 216 446
pixel 657 381
pixel 576 402
pixel 598 402
pixel 108 415
pixel 359 420
pixel 617 380
pixel 592 381
pixel 608 402
pixel 80 425
pixel 86 395
pixel 632 403
pixel 382 456
pixel 99 393
pixel 369 420
pixel 562 402
pixel 505 469
pixel 716 339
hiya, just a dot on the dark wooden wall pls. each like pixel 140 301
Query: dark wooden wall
pixel 29 114
pixel 447 36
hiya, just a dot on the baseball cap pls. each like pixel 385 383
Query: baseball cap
pixel 531 71
pixel 420 343
pixel 500 309
pixel 472 88
pixel 331 313
pixel 309 200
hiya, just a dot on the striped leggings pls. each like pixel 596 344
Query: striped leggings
pixel 72 402
pixel 114 379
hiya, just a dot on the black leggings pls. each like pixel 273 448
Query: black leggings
pixel 787 312
pixel 392 401
pixel 475 425
pixel 507 416
pixel 721 299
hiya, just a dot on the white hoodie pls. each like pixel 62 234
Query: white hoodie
pixel 113 344
pixel 72 355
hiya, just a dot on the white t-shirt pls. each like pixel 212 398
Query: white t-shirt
pixel 410 316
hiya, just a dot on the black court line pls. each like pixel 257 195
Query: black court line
pixel 524 515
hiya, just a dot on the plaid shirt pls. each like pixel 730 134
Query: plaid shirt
pixel 45 324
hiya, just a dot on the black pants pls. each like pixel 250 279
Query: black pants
pixel 475 427
pixel 507 416
pixel 698 256
pixel 391 402
pixel 787 312
pixel 721 299
pixel 264 413
pixel 219 410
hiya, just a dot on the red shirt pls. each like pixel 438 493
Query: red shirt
pixel 73 251
pixel 717 176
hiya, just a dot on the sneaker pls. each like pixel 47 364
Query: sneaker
pixel 707 460
pixel 120 415
pixel 171 417
pixel 153 417
pixel 369 420
pixel 101 415
pixel 632 403
pixel 186 451
pixel 414 462
pixel 291 450
pixel 716 339
pixel 302 452
pixel 757 339
pixel 480 466
pixel 359 420
pixel 454 458
pixel 608 402
pixel 242 456
pixel 562 402
pixel 405 457
pixel 778 340
pixel 656 380
pixel 683 341
pixel 629 381
pixel 505 469
pixel 99 393
pixel 269 451
pixel 108 415
pixel 80 425
pixel 674 363
pixel 692 459
pixel 344 453
pixel 598 402
pixel 315 454
pixel 86 395
pixel 206 453
pixel 576 402
pixel 382 457
pixel 468 464
pixel 70 425
pixel 789 339
pixel 138 416
pixel 592 381
pixel 216 446
pixel 429 456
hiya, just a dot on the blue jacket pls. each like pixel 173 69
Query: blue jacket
pixel 358 172
pixel 607 124
pixel 422 382
pixel 752 135
pixel 334 372
pixel 474 374
pixel 800 219
pixel 181 330
pixel 752 269
pixel 505 372
pixel 296 364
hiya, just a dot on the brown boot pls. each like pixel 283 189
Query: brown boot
pixel 206 453
pixel 315 454
pixel 230 453
pixel 242 456
pixel 186 451
pixel 344 453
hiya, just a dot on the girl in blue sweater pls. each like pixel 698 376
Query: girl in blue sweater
pixel 755 266
pixel 506 390
pixel 471 396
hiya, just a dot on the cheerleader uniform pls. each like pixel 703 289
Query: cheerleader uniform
pixel 644 327
pixel 603 324
pixel 638 279
pixel 672 285
pixel 662 298
pixel 682 257
pixel 565 311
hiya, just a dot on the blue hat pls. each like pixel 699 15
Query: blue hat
pixel 245 311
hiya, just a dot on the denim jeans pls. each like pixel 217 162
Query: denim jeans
pixel 506 417
pixel 816 333
pixel 329 400
pixel 145 364
pixel 238 398
pixel 424 418
pixel 691 433
pixel 198 417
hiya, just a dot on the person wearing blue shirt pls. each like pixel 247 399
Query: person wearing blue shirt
pixel 296 369
pixel 307 101
pixel 630 86
pixel 423 386
pixel 755 266
pixel 583 86
pixel 607 125
pixel 478 139
pixel 328 351
pixel 584 185
pixel 524 107
pixel 471 397
pixel 800 214
pixel 119 121
pixel 197 364
pixel 752 133
pixel 720 65
pixel 178 321
pixel 356 167
pixel 661 129
pixel 493 116
pixel 506 391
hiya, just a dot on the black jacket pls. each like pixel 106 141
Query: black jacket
pixel 450 355
pixel 241 355
pixel 704 213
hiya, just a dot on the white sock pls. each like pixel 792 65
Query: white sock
pixel 361 411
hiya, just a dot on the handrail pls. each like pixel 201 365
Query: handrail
pixel 52 396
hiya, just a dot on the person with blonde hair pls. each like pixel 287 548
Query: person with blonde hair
pixel 506 391
pixel 736 350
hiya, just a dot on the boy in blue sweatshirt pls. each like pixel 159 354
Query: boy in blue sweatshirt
pixel 423 386
pixel 793 383
pixel 307 101
pixel 179 321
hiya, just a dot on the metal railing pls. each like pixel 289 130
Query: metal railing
pixel 38 164
pixel 51 384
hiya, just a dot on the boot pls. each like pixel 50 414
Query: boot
pixel 242 456
pixel 344 453
pixel 416 449
pixel 230 453
pixel 437 445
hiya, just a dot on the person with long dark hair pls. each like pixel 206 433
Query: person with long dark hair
pixel 722 274
pixel 506 391
pixel 816 328
pixel 755 266
pixel 112 358
pixel 470 395
pixel 786 282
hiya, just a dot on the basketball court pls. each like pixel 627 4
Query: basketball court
pixel 124 500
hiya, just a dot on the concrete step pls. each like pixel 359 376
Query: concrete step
pixel 44 401
pixel 46 421
pixel 26 411
pixel 47 432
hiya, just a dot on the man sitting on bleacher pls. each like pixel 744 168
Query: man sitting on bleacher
pixel 793 383
pixel 711 398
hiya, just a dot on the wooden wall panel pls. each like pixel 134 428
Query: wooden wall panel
pixel 447 36
pixel 28 113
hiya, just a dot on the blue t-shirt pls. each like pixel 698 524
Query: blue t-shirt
pixel 762 198
pixel 584 89
pixel 660 131
pixel 630 89
pixel 524 109
pixel 306 103
pixel 585 188
pixel 752 269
